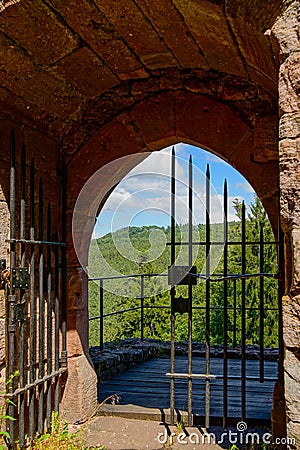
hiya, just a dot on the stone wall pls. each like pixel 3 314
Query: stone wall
pixel 285 31
pixel 215 86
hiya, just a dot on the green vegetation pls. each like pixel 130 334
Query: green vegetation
pixel 4 417
pixel 156 321
pixel 59 437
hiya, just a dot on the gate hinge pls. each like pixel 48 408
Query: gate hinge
pixel 19 278
pixel 19 311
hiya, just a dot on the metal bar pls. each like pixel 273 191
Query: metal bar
pixel 35 383
pixel 32 325
pixel 233 277
pixel 12 297
pixel 261 306
pixel 56 323
pixel 216 377
pixel 169 307
pixel 207 311
pixel 190 298
pixel 49 319
pixel 135 275
pixel 243 374
pixel 63 360
pixel 172 291
pixel 234 313
pixel 142 307
pixel 225 310
pixel 190 376
pixel 41 340
pixel 120 311
pixel 22 380
pixel 101 293
pixel 229 308
pixel 35 242
pixel 222 243
pixel 213 277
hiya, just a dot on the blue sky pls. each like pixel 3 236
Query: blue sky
pixel 143 196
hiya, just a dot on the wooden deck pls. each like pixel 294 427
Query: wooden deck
pixel 146 387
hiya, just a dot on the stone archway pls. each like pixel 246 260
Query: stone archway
pixel 179 116
pixel 144 74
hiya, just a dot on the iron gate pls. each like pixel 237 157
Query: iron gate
pixel 188 275
pixel 234 284
pixel 36 301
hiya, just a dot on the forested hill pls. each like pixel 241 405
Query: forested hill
pixel 145 250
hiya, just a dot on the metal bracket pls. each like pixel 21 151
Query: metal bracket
pixel 180 305
pixel 19 311
pixel 19 278
pixel 179 275
pixel 2 271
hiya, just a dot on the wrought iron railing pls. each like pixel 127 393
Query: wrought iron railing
pixel 187 305
pixel 212 279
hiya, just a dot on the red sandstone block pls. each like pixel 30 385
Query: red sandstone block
pixel 209 28
pixel 210 124
pixel 34 84
pixel 85 71
pixel 256 49
pixel 155 120
pixel 138 33
pixel 90 23
pixel 45 37
pixel 170 25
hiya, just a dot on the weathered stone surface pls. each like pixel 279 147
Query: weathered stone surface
pixel 289 125
pixel 100 34
pixel 91 82
pixel 254 46
pixel 134 41
pixel 40 23
pixel 265 139
pixel 173 31
pixel 138 33
pixel 292 396
pixel 291 313
pixel 286 32
pixel 206 21
pixel 289 151
pixel 289 101
pixel 213 125
pixel 80 394
pixel 77 341
pixel 50 94
pixel 260 13
pixel 285 29
pixel 154 119
pixel 293 431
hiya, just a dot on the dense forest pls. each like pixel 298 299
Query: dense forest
pixel 110 254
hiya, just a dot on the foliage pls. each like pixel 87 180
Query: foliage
pixel 60 438
pixel 156 320
pixel 4 417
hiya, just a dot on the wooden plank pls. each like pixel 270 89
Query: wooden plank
pixel 146 385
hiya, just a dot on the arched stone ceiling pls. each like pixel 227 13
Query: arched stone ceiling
pixel 67 67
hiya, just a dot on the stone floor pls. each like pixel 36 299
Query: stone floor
pixel 115 433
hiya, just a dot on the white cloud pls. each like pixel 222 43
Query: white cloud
pixel 246 186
